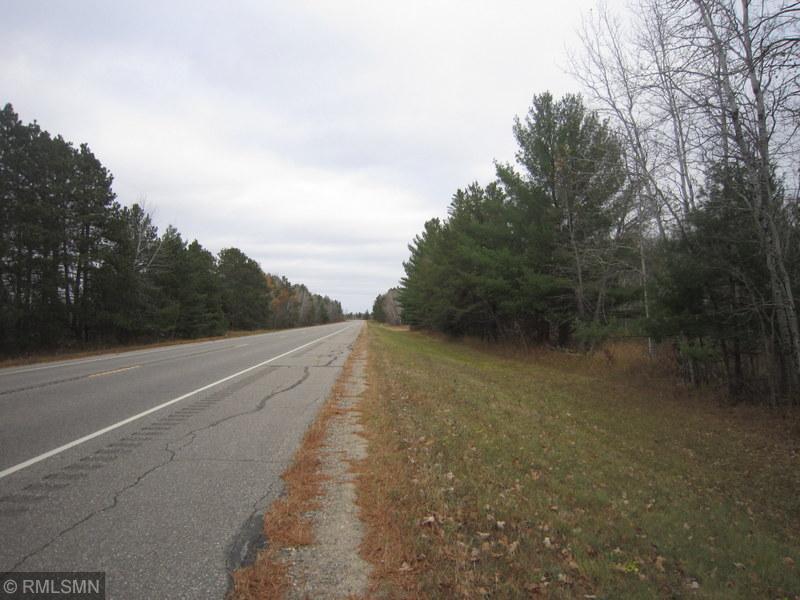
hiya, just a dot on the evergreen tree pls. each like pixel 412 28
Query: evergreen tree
pixel 245 294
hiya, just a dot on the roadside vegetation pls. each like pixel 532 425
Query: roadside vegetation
pixel 508 474
pixel 387 309
pixel 79 270
pixel 664 206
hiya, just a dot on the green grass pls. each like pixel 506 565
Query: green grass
pixel 547 475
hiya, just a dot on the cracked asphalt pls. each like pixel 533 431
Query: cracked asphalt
pixel 170 503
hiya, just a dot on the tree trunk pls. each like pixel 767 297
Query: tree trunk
pixel 758 167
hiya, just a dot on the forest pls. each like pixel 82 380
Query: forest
pixel 660 204
pixel 78 268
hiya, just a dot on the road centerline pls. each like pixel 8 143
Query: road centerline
pixel 112 371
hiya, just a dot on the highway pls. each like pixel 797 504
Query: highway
pixel 155 466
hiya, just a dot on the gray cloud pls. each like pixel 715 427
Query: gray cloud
pixel 317 137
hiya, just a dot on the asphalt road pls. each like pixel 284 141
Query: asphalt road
pixel 155 466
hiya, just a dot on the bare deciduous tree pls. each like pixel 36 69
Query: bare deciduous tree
pixel 695 84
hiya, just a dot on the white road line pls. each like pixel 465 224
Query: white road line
pixel 91 436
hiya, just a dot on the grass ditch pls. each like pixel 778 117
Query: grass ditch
pixel 287 524
pixel 499 474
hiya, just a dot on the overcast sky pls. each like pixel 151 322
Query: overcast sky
pixel 318 137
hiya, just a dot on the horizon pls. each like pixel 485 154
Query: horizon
pixel 316 140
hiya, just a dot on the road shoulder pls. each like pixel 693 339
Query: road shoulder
pixel 313 531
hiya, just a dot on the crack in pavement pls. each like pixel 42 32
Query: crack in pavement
pixel 173 453
pixel 260 406
pixel 42 385
pixel 113 504
pixel 245 545
pixel 105 455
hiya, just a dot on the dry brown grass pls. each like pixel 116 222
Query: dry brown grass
pixel 387 544
pixel 626 358
pixel 286 522
pixel 496 472
pixel 396 327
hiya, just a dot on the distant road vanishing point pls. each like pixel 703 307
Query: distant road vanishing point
pixel 155 466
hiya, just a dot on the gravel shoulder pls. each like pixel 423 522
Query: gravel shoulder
pixel 331 567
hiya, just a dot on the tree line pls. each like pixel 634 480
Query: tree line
pixel 77 267
pixel 353 316
pixel 669 211
pixel 387 309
